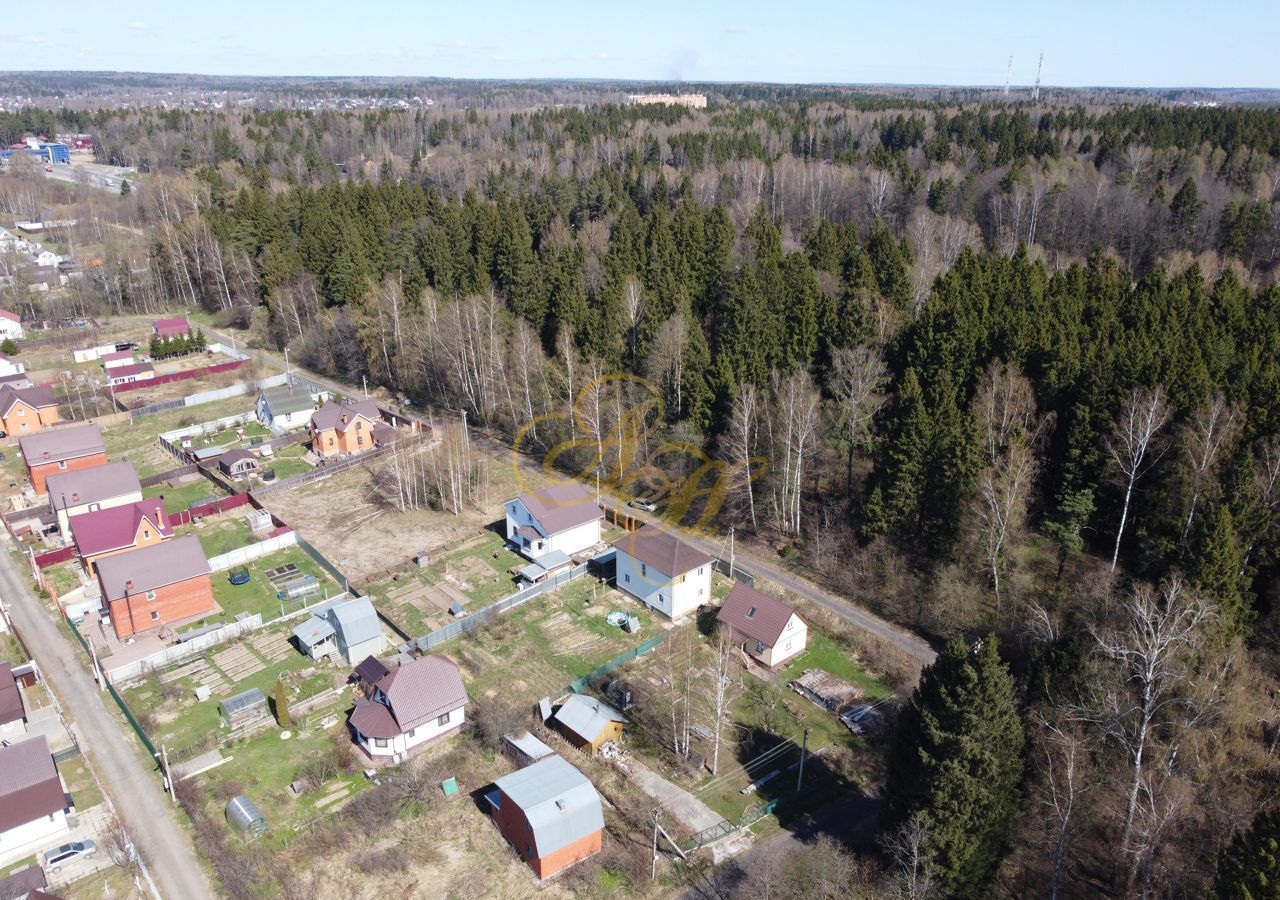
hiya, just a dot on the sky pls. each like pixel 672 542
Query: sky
pixel 1137 43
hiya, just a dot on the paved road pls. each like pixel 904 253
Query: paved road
pixel 136 792
pixel 847 610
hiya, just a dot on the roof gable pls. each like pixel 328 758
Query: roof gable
pixel 422 690
pixel 332 414
pixel 110 529
pixel 559 802
pixel 105 482
pixel 755 614
pixel 57 444
pixel 660 549
pixel 587 716
pixel 561 506
pixel 150 568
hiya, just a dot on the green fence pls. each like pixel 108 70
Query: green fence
pixel 124 707
pixel 577 686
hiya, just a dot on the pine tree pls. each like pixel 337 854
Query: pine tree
pixel 8 347
pixel 1216 566
pixel 1249 867
pixel 900 475
pixel 957 762
pixel 281 699
pixel 125 188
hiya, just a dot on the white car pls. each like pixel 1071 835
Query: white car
pixel 67 853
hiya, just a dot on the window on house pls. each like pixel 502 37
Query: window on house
pixel 155 615
pixel 146 535
pixel 700 592
pixel 330 440
pixel 751 613
pixel 62 464
pixel 627 577
pixel 358 425
pixel 380 742
pixel 410 732
pixel 644 570
pixel 21 411
pixel 23 427
pixel 151 595
pixel 443 720
pixel 359 440
pixel 94 507
pixel 759 647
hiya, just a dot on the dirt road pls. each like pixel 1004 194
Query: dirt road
pixel 136 792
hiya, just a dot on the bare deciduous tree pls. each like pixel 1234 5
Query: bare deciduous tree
pixel 1132 446
pixel 725 689
pixel 1211 428
pixel 858 377
pixel 911 864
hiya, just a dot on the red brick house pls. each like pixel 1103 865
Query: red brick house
pixel 157 585
pixel 59 450
pixel 550 813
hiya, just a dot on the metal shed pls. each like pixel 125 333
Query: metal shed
pixel 243 708
pixel 245 817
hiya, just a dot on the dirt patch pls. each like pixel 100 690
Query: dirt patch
pixel 363 538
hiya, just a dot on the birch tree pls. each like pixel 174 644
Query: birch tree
pixel 1132 447
pixel 725 689
pixel 1211 428
pixel 858 378
pixel 740 444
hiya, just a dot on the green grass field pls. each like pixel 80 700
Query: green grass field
pixel 136 441
pixel 80 784
pixel 176 499
pixel 221 534
pixel 258 595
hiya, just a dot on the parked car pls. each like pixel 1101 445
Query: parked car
pixel 643 503
pixel 67 853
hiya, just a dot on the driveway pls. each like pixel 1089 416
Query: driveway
pixel 136 791
pixel 691 812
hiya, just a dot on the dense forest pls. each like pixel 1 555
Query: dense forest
pixel 1013 370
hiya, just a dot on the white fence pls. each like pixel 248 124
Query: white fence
pixel 89 354
pixel 242 555
pixel 178 652
pixel 176 436
pixel 226 351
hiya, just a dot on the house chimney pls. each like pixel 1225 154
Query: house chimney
pixel 75 498
pixel 344 418
pixel 128 585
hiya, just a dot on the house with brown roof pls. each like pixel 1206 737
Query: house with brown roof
pixel 157 585
pixel 340 429
pixel 238 463
pixel 119 529
pixel 408 708
pixel 563 517
pixel 61 450
pixel 33 804
pixel 662 571
pixel 27 410
pixel 89 490
pixel 762 625
pixel 171 327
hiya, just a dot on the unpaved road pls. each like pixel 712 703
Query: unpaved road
pixel 137 792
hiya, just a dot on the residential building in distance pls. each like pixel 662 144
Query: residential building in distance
pixel 285 407
pixel 763 626
pixel 158 585
pixel 172 327
pixel 550 813
pixel 588 723
pixel 27 410
pixel 9 367
pixel 238 463
pixel 61 450
pixel 89 490
pixel 10 325
pixel 409 707
pixel 340 429
pixel 119 529
pixel 689 101
pixel 116 359
pixel 562 519
pixel 129 373
pixel 33 804
pixel 662 571
pixel 349 630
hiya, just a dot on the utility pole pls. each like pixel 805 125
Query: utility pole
pixel 364 382
pixel 730 551
pixel 168 776
pixel 653 871
pixel 804 751
pixel 288 373
pixel 1035 95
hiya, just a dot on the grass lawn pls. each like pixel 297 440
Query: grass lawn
pixel 823 652
pixel 221 534
pixel 535 650
pixel 15 866
pixel 136 441
pixel 112 882
pixel 181 721
pixel 284 466
pixel 13 472
pixel 62 577
pixel 176 499
pixel 11 650
pixel 259 595
pixel 80 784
pixel 230 437
pixel 478 568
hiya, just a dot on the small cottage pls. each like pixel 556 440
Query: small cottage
pixel 346 630
pixel 588 723
pixel 238 463
pixel 764 627
pixel 550 814
pixel 410 707
pixel 662 571
pixel 33 804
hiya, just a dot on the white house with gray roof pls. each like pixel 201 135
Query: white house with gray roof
pixel 89 490
pixel 408 708
pixel 285 407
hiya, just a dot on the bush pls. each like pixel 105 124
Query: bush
pixel 491 719
pixel 383 862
